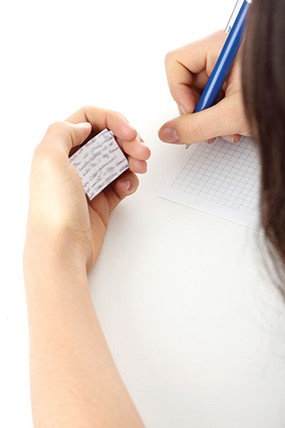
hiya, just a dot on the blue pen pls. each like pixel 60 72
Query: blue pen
pixel 225 60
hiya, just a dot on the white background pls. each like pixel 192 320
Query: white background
pixel 192 319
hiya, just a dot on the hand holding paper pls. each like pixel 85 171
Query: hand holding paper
pixel 58 205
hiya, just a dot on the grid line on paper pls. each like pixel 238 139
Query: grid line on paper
pixel 222 173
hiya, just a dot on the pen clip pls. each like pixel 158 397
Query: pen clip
pixel 233 15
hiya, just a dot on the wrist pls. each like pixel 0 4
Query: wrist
pixel 55 248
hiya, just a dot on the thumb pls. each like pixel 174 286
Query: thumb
pixel 223 118
pixel 78 133
pixel 66 135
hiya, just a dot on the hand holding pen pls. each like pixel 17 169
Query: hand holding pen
pixel 190 70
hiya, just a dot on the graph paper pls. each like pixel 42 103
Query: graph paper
pixel 221 179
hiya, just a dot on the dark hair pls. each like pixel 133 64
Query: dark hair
pixel 263 81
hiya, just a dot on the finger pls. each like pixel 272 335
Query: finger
pixel 136 149
pixel 101 118
pixel 180 80
pixel 199 83
pixel 64 136
pixel 232 138
pixel 126 185
pixel 229 138
pixel 200 80
pixel 122 187
pixel 201 55
pixel 190 66
pixel 221 119
pixel 211 140
pixel 137 166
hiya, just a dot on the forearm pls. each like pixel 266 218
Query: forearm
pixel 74 381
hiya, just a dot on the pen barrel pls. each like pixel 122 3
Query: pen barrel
pixel 224 62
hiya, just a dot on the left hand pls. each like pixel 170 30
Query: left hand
pixel 59 210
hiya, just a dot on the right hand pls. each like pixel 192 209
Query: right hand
pixel 188 70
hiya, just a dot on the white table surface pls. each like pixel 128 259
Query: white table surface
pixel 192 319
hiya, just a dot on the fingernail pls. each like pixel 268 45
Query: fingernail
pixel 229 138
pixel 125 119
pixel 127 184
pixel 139 139
pixel 127 122
pixel 83 124
pixel 169 135
pixel 182 109
pixel 236 138
pixel 211 140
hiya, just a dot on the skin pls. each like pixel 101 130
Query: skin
pixel 188 70
pixel 74 381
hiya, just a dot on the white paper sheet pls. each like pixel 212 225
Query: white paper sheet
pixel 99 162
pixel 221 179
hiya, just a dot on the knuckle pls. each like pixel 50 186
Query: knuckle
pixel 85 110
pixel 169 58
pixel 37 152
pixel 42 158
pixel 56 127
pixel 193 130
pixel 44 153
